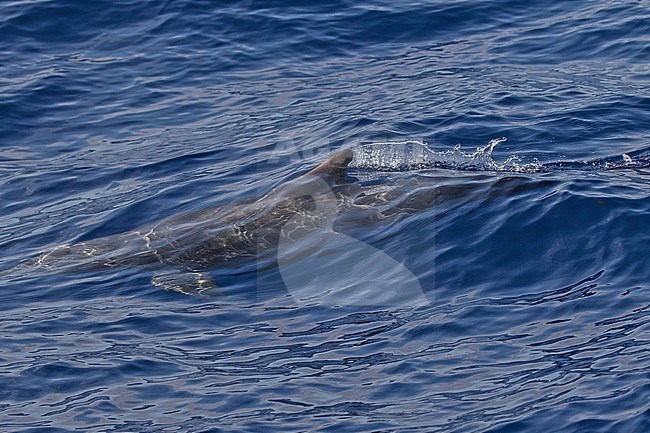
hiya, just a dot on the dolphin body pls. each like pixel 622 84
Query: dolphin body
pixel 181 250
pixel 196 242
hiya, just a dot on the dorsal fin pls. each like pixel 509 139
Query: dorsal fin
pixel 334 166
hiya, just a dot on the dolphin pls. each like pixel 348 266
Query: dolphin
pixel 287 226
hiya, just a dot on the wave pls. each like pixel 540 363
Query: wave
pixel 410 155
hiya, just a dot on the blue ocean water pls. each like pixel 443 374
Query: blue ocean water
pixel 528 257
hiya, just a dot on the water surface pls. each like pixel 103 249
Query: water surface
pixel 117 114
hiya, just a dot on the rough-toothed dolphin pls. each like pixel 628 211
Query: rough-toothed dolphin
pixel 293 225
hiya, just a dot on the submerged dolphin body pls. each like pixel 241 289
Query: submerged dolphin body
pixel 299 216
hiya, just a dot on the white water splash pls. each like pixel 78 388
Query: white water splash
pixel 415 155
